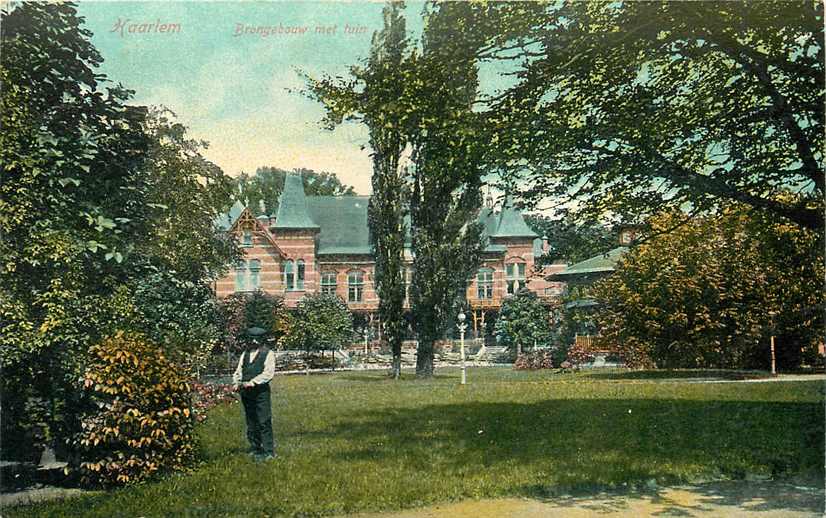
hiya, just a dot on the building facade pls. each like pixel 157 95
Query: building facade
pixel 322 244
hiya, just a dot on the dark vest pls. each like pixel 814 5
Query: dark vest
pixel 251 370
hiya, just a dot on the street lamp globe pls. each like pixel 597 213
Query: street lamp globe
pixel 461 317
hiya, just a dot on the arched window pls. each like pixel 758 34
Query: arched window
pixel 328 283
pixel 289 275
pixel 484 284
pixel 355 286
pixel 255 278
pixel 241 276
pixel 515 277
pixel 299 282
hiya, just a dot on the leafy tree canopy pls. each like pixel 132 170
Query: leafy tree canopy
pixel 523 322
pixel 571 241
pixel 704 296
pixel 320 322
pixel 630 108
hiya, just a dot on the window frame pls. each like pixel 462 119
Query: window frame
pixel 355 290
pixel 241 276
pixel 289 275
pixel 484 283
pixel 515 279
pixel 254 277
pixel 300 273
pixel 327 288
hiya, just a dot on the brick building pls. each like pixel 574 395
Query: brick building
pixel 322 244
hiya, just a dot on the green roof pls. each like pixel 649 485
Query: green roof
pixel 606 262
pixel 292 206
pixel 511 223
pixel 489 223
pixel 343 223
pixel 226 220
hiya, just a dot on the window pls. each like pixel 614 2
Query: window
pixel 484 284
pixel 515 277
pixel 355 286
pixel 299 281
pixel 328 283
pixel 247 239
pixel 240 276
pixel 289 275
pixel 255 278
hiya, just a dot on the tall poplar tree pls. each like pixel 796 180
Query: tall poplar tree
pixel 421 100
pixel 447 178
pixel 386 210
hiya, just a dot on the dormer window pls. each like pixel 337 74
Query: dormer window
pixel 246 238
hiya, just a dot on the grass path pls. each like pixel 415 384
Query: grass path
pixel 357 442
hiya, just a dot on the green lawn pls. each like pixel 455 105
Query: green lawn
pixel 357 441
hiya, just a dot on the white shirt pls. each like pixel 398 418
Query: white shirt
pixel 264 377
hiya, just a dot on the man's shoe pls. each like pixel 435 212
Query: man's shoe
pixel 264 458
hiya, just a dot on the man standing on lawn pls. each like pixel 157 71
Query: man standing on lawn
pixel 256 368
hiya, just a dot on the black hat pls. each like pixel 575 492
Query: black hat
pixel 256 332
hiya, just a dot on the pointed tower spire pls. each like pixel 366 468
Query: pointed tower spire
pixel 292 206
pixel 511 222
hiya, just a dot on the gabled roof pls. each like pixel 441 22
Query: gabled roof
pixel 343 223
pixel 606 262
pixel 292 206
pixel 226 220
pixel 511 223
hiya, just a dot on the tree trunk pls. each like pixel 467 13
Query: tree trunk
pixel 424 358
pixel 397 366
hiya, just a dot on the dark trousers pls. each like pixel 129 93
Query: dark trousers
pixel 256 401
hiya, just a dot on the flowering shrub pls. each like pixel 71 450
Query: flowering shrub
pixel 579 354
pixel 206 396
pixel 144 424
pixel 541 359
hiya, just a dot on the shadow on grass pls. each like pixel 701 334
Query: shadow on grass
pixel 676 375
pixel 589 445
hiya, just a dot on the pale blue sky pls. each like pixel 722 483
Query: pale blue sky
pixel 231 90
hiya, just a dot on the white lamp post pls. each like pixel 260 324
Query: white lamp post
pixel 462 326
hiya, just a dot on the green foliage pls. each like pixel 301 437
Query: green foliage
pixel 181 316
pixel 240 311
pixel 421 101
pixel 320 322
pixel 96 197
pixel 265 186
pixel 570 241
pixel 144 424
pixel 387 209
pixel 702 296
pixel 636 107
pixel 187 192
pixel 608 430
pixel 523 323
